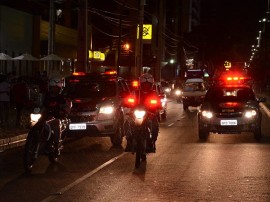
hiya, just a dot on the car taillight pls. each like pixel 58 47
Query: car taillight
pixel 130 101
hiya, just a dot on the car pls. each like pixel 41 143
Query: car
pixel 230 107
pixel 97 101
pixel 193 92
pixel 163 98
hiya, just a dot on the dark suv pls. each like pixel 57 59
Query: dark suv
pixel 230 109
pixel 97 105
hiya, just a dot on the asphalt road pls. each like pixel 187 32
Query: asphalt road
pixel 232 167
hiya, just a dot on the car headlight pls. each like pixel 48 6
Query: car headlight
pixel 105 112
pixel 178 92
pixel 207 114
pixel 167 90
pixel 250 113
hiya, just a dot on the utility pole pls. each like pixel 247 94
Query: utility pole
pixel 51 34
pixel 118 52
pixel 160 56
pixel 82 50
pixel 139 48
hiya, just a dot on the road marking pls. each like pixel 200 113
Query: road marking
pixel 76 182
pixel 171 124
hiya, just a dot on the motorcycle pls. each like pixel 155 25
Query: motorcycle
pixel 178 95
pixel 139 129
pixel 41 139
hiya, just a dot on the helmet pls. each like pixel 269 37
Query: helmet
pixel 146 82
pixel 146 78
pixel 56 82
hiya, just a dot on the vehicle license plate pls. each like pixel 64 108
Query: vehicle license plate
pixel 77 126
pixel 228 122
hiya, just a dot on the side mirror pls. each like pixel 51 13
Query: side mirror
pixel 261 99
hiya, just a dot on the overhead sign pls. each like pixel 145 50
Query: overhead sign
pixel 147 32
pixel 96 55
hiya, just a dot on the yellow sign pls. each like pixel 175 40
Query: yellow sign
pixel 96 55
pixel 227 64
pixel 147 32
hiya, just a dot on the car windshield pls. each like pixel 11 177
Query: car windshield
pixel 90 89
pixel 193 86
pixel 230 94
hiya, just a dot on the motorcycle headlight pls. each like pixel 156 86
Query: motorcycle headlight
pixel 35 117
pixel 250 113
pixel 207 114
pixel 139 114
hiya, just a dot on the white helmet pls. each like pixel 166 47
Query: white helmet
pixel 56 82
pixel 146 78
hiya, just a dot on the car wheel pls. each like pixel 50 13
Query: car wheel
pixel 117 137
pixel 257 133
pixel 203 134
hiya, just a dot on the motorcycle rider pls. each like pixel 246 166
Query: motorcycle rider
pixel 57 106
pixel 145 92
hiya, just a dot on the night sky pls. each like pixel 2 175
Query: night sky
pixel 228 29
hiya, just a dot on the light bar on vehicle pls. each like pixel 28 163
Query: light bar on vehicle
pixel 78 73
pixel 110 72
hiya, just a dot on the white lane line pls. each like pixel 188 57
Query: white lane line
pixel 73 184
pixel 265 109
pixel 171 124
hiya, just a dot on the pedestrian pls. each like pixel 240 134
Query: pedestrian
pixel 4 100
pixel 19 95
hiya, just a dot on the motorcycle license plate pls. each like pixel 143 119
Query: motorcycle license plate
pixel 228 122
pixel 77 126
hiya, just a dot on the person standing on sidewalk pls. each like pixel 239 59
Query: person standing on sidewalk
pixel 4 99
pixel 19 95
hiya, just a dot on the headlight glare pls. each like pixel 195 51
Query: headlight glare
pixel 250 113
pixel 106 110
pixel 35 117
pixel 178 92
pixel 207 114
pixel 139 114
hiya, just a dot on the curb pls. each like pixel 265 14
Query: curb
pixel 12 142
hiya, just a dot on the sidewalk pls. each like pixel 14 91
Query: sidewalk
pixel 11 135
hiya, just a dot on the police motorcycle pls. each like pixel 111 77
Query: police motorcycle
pixel 138 128
pixel 41 139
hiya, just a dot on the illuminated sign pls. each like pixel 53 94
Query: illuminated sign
pixel 96 55
pixel 147 32
pixel 227 64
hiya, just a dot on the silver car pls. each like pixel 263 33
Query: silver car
pixel 97 105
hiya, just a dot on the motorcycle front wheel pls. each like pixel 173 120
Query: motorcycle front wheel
pixel 30 152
